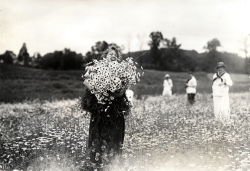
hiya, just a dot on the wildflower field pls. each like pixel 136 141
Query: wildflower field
pixel 161 134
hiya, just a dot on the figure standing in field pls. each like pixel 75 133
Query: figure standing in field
pixel 130 96
pixel 107 122
pixel 221 83
pixel 191 84
pixel 167 86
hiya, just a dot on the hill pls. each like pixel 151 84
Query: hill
pixel 18 84
pixel 184 60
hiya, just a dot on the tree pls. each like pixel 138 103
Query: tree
pixel 212 45
pixel 156 38
pixel 172 59
pixel 65 60
pixel 35 60
pixel 71 60
pixel 8 57
pixel 23 56
pixel 171 44
pixel 212 50
pixel 51 60
pixel 97 49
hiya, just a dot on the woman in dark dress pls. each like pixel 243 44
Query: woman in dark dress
pixel 107 126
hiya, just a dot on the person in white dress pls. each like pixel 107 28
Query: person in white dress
pixel 221 83
pixel 191 85
pixel 167 86
pixel 130 96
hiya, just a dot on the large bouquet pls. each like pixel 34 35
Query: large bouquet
pixel 110 76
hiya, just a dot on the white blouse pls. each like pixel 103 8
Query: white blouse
pixel 191 85
pixel 225 80
pixel 167 84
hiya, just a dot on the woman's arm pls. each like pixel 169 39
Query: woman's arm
pixel 228 80
pixel 171 83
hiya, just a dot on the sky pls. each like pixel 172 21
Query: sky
pixel 49 25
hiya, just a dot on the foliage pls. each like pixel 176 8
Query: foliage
pixel 63 60
pixel 71 60
pixel 24 56
pixel 234 63
pixel 174 59
pixel 191 60
pixel 164 54
pixel 97 49
pixel 7 57
pixel 36 60
pixel 171 44
pixel 51 60
pixel 212 45
pixel 156 38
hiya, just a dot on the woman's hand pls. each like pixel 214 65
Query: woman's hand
pixel 221 84
pixel 87 84
pixel 86 77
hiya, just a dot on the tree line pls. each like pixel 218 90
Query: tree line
pixel 164 54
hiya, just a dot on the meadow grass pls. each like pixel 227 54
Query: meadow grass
pixel 161 134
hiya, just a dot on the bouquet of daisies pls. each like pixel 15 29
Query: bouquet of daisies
pixel 110 75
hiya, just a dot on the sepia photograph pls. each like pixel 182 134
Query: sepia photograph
pixel 124 85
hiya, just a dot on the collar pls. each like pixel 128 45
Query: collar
pixel 220 74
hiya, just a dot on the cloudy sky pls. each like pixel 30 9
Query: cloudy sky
pixel 49 25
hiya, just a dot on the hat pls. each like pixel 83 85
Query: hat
pixel 220 64
pixel 167 75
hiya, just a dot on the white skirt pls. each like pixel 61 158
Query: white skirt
pixel 167 92
pixel 221 107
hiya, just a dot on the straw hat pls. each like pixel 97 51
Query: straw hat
pixel 220 64
pixel 167 76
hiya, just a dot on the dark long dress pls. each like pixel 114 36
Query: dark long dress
pixel 106 130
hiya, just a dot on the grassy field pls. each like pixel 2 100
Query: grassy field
pixel 42 127
pixel 161 134
pixel 18 84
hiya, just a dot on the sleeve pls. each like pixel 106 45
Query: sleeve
pixel 192 82
pixel 189 83
pixel 228 80
pixel 171 83
pixel 195 82
pixel 214 76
